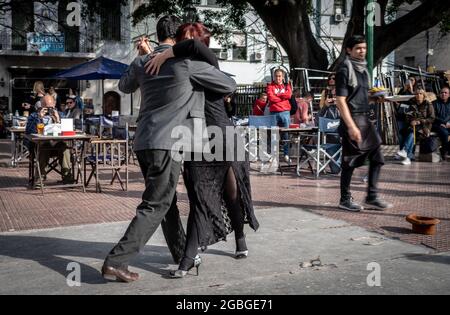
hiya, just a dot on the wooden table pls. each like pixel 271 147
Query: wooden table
pixel 78 154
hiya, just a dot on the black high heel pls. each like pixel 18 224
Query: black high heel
pixel 241 249
pixel 180 273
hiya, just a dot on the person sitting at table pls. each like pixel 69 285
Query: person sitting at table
pixel 302 115
pixel 260 105
pixel 72 111
pixel 33 103
pixel 47 115
pixel 328 96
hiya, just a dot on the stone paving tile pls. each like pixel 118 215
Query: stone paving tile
pixel 421 188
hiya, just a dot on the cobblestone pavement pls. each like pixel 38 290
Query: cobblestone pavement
pixel 421 188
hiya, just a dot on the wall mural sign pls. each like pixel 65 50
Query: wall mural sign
pixel 46 43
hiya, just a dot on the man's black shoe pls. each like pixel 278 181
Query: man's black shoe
pixel 378 204
pixel 350 205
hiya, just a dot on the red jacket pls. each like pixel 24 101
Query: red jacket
pixel 259 107
pixel 279 96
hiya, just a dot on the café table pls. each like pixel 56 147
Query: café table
pixel 76 143
pixel 296 136
pixel 18 151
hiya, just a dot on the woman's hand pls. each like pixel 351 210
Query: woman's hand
pixel 153 66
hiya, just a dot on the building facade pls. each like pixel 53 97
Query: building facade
pixel 38 40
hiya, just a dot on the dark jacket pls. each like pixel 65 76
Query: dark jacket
pixel 423 112
pixel 175 98
pixel 442 112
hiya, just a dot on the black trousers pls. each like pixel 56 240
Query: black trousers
pixel 374 176
pixel 159 206
pixel 355 154
pixel 443 134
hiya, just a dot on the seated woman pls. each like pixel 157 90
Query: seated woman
pixel 420 120
pixel 302 115
pixel 329 94
pixel 328 108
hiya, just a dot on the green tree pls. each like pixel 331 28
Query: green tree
pixel 289 21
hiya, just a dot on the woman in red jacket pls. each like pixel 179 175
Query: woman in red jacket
pixel 279 95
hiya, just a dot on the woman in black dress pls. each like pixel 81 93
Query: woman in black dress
pixel 219 191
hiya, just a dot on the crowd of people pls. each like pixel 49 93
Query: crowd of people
pixel 423 121
pixel 291 108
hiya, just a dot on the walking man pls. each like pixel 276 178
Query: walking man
pixel 360 139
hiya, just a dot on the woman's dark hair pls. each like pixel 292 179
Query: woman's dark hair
pixel 195 31
pixel 332 76
pixel 167 27
pixel 355 40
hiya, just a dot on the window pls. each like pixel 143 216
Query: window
pixel 22 23
pixel 272 54
pixel 212 3
pixel 110 18
pixel 221 53
pixel 410 61
pixel 340 7
pixel 239 47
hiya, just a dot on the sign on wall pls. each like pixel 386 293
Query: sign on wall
pixel 45 43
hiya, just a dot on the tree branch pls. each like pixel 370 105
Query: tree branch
pixel 422 18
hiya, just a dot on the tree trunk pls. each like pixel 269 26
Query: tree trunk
pixel 391 36
pixel 289 23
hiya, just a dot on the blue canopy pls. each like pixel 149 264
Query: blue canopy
pixel 98 69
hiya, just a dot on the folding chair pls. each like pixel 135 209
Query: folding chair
pixel 318 153
pixel 256 124
pixel 110 155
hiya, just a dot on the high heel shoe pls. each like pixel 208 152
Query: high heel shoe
pixel 241 254
pixel 180 273
pixel 241 249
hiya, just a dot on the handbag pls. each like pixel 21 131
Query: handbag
pixel 429 145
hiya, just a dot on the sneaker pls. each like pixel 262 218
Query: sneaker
pixel 406 161
pixel 402 154
pixel 350 205
pixel 377 204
